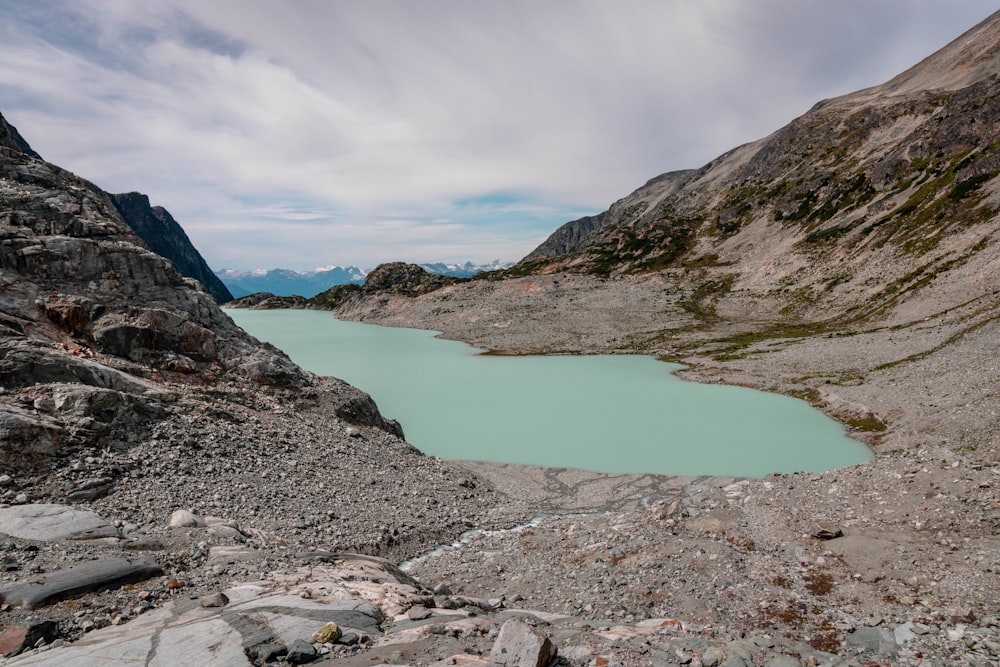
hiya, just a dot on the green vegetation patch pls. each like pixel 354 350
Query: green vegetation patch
pixel 651 247
pixel 702 302
pixel 868 422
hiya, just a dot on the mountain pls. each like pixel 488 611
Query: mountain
pixel 165 237
pixel 12 139
pixel 849 259
pixel 864 204
pixel 285 282
pixel 88 306
pixel 393 279
pixel 466 270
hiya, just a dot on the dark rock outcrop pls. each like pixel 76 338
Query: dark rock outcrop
pixel 11 138
pixel 75 581
pixel 405 279
pixel 164 236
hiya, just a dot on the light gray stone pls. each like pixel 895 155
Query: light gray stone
pixel 734 661
pixel 418 612
pixel 784 661
pixel 50 522
pixel 518 645
pixel 214 600
pixel 185 519
pixel 879 641
pixel 712 657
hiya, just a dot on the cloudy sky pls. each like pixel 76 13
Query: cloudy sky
pixel 315 132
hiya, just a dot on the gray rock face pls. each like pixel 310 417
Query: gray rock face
pixel 84 303
pixel 164 236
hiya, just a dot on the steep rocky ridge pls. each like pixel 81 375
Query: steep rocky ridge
pixel 11 138
pixel 165 237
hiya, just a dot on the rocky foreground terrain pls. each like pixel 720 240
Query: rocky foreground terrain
pixel 177 492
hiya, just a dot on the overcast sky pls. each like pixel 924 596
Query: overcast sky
pixel 315 132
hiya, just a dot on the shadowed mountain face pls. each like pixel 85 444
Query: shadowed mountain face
pixel 849 210
pixel 11 138
pixel 164 236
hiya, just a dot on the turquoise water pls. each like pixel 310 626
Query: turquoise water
pixel 609 413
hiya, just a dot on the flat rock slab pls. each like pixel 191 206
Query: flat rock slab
pixel 260 623
pixel 77 580
pixel 48 523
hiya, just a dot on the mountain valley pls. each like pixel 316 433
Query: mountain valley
pixel 849 259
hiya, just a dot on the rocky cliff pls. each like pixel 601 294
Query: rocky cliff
pixel 91 319
pixel 166 238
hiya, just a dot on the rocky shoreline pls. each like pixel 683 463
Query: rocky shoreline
pixel 920 522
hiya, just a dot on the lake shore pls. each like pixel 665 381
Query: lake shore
pixel 919 523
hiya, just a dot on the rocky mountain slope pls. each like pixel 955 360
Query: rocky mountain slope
pixel 862 209
pixel 154 225
pixel 166 238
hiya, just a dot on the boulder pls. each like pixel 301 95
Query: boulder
pixel 185 519
pixel 878 641
pixel 518 645
pixel 328 634
pixel 27 439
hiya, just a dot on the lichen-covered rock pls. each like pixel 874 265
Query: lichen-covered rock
pixel 328 634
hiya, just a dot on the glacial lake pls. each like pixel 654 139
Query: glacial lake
pixel 607 413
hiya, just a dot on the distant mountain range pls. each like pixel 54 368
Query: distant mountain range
pixel 285 282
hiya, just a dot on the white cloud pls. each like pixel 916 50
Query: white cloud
pixel 300 130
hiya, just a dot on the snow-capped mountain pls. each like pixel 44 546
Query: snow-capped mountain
pixel 285 282
pixel 466 270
